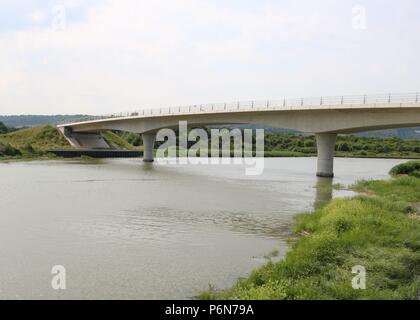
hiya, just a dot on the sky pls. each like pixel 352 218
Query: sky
pixel 101 57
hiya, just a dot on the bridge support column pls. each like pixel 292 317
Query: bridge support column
pixel 326 146
pixel 148 144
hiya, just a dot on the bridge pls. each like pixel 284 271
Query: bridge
pixel 326 117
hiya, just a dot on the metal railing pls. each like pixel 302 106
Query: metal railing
pixel 255 105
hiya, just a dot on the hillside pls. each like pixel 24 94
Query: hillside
pixel 401 133
pixel 40 139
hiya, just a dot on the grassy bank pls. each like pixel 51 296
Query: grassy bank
pixel 38 139
pixel 379 230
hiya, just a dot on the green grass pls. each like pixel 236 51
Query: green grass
pixel 380 231
pixel 39 139
pixel 117 141
pixel 400 189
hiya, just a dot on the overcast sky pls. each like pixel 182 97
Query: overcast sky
pixel 98 57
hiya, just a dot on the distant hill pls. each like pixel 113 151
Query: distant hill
pixel 402 133
pixel 20 121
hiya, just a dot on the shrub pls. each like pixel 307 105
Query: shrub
pixel 309 143
pixel 28 149
pixel 9 150
pixel 343 147
pixel 410 168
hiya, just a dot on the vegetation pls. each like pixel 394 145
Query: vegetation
pixel 118 141
pixel 35 140
pixel 132 138
pixel 411 168
pixel 8 150
pixel 295 145
pixel 380 231
pixel 346 146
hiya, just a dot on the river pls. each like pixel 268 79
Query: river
pixel 127 230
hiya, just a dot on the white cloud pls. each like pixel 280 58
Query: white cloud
pixel 130 53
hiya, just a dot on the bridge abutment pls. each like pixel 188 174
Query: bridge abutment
pixel 326 146
pixel 148 144
pixel 84 140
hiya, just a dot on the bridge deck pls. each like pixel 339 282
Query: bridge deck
pixel 323 103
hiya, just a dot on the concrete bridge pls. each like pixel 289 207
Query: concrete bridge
pixel 325 117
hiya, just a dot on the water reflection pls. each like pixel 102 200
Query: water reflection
pixel 324 192
pixel 147 166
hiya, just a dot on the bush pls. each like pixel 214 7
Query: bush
pixel 9 150
pixel 343 147
pixel 28 149
pixel 309 143
pixel 410 168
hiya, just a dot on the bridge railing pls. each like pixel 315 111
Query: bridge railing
pixel 400 98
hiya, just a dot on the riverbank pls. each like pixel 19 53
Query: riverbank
pixel 379 230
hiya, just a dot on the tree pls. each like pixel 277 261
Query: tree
pixel 344 146
pixel 309 143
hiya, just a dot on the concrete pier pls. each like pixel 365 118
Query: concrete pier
pixel 326 146
pixel 148 144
